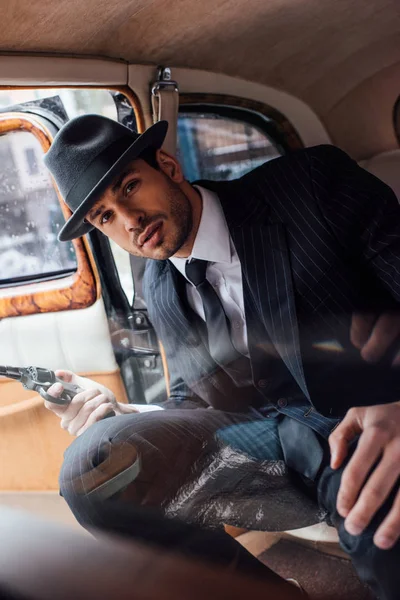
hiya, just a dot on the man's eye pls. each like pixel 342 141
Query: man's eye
pixel 130 186
pixel 105 217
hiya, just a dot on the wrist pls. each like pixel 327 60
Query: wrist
pixel 141 408
pixel 127 409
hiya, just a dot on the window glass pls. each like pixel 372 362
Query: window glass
pixel 75 102
pixel 122 260
pixel 30 213
pixel 217 147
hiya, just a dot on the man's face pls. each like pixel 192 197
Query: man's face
pixel 145 211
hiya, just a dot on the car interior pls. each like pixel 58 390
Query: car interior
pixel 239 84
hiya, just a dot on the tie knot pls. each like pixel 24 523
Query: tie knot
pixel 196 271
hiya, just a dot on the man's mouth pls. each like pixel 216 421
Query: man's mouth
pixel 150 236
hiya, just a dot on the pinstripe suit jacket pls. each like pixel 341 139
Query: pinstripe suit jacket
pixel 318 238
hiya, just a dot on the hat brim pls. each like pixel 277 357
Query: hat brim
pixel 76 227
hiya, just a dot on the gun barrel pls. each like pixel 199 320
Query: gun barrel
pixel 11 372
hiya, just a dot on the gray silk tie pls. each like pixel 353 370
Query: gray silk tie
pixel 219 339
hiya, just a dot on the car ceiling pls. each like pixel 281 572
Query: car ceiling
pixel 341 57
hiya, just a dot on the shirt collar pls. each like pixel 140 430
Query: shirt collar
pixel 212 242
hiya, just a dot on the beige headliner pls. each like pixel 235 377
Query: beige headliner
pixel 342 57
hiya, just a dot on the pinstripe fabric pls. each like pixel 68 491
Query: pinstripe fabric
pixel 203 466
pixel 318 238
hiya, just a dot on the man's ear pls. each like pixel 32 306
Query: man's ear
pixel 170 166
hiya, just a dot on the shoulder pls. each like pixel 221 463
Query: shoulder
pixel 324 153
pixel 297 165
pixel 304 171
pixel 327 152
pixel 302 160
pixel 330 158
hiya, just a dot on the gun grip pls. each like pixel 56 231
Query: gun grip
pixel 62 401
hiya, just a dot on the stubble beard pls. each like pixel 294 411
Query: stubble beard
pixel 181 219
pixel 182 216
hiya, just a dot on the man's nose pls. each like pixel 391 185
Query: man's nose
pixel 132 218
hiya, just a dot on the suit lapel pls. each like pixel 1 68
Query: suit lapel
pixel 264 256
pixel 168 291
pixel 260 241
pixel 265 259
pixel 182 328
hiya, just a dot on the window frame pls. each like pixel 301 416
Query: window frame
pixel 79 289
pixel 269 120
pixel 82 288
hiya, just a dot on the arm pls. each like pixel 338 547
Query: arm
pixel 364 215
pixel 181 396
pixel 90 405
pixel 95 400
pixel 362 212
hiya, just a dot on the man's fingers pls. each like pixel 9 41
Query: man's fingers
pixel 84 414
pixel 99 413
pixel 344 433
pixel 374 492
pixel 367 452
pixel 361 328
pixel 373 337
pixel 76 405
pixel 55 390
pixel 339 447
pixel 386 330
pixel 66 376
pixel 389 531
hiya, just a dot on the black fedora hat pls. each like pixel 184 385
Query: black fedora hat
pixel 86 154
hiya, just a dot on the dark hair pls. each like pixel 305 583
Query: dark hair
pixel 149 156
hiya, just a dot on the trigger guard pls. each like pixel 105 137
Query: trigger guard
pixel 49 398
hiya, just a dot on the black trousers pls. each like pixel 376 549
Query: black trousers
pixel 377 568
pixel 191 474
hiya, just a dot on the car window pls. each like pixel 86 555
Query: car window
pixel 30 213
pixel 217 147
pixel 74 101
pixel 220 143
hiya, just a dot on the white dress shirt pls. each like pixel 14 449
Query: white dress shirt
pixel 213 243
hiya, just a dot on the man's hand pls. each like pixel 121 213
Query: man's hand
pixel 92 404
pixel 363 492
pixel 374 335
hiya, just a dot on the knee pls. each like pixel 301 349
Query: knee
pixel 355 545
pixel 76 463
pixel 81 470
pixel 97 466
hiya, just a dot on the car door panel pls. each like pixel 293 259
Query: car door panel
pixel 52 319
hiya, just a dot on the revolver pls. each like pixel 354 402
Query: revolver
pixel 39 380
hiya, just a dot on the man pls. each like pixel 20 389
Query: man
pixel 252 289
